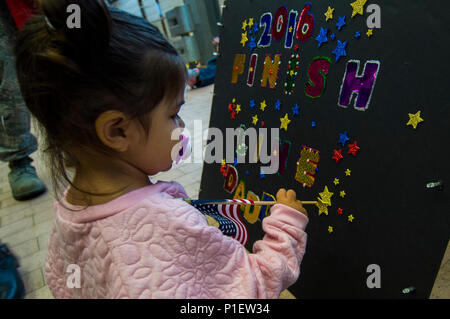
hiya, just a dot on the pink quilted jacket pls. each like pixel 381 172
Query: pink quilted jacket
pixel 147 244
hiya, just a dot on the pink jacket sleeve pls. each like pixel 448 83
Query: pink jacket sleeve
pixel 273 266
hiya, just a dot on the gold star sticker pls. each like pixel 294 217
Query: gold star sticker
pixel 223 162
pixel 342 194
pixel 348 172
pixel 290 29
pixel 233 100
pixel 263 105
pixel 244 25
pixel 284 122
pixel 244 38
pixel 358 7
pixel 414 119
pixel 238 108
pixel 351 218
pixel 336 181
pixel 329 13
pixel 326 196
pixel 330 229
pixel 255 119
pixel 369 33
pixel 323 209
pixel 250 23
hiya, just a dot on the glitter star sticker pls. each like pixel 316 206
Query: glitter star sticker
pixel 330 229
pixel 238 108
pixel 340 23
pixel 284 122
pixel 337 155
pixel 263 105
pixel 250 23
pixel 343 138
pixel 348 172
pixel 336 181
pixel 369 33
pixel 325 196
pixel 323 208
pixel 353 148
pixel 414 119
pixel 295 109
pixel 244 38
pixel 351 218
pixel 358 7
pixel 342 193
pixel 322 37
pixel 252 103
pixel 255 119
pixel 329 13
pixel 340 49
pixel 339 211
pixel 277 105
pixel 244 25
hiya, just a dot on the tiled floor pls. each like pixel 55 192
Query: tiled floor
pixel 25 226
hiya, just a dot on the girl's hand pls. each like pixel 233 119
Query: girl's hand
pixel 289 198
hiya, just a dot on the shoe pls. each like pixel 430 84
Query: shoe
pixel 24 182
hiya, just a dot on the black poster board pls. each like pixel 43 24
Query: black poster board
pixel 399 223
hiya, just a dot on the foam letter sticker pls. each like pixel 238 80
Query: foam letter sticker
pixel 265 210
pixel 279 23
pixel 306 166
pixel 305 24
pixel 317 76
pixel 285 149
pixel 240 193
pixel 252 69
pixel 270 72
pixel 291 72
pixel 362 86
pixel 266 37
pixel 238 67
pixel 291 29
pixel 231 179
pixel 251 212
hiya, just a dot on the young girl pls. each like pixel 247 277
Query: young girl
pixel 106 97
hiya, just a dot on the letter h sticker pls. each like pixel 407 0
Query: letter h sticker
pixel 362 86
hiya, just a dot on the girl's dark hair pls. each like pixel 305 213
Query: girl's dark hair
pixel 69 76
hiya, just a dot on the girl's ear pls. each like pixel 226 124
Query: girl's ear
pixel 114 130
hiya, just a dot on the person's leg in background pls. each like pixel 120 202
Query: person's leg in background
pixel 16 140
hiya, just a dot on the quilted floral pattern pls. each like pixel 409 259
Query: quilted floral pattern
pixel 147 244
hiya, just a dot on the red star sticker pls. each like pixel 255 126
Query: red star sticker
pixel 352 148
pixel 296 47
pixel 337 155
pixel 262 123
pixel 233 114
pixel 231 107
pixel 339 211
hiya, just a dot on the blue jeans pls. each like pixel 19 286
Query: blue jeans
pixel 16 140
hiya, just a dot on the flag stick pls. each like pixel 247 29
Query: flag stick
pixel 230 202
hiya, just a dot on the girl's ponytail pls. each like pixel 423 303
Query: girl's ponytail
pixel 83 44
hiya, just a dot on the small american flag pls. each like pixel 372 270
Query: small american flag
pixel 227 215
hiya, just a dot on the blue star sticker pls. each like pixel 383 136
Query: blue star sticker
pixel 322 37
pixel 343 138
pixel 255 28
pixel 357 34
pixel 235 162
pixel 340 49
pixel 277 105
pixel 340 23
pixel 313 124
pixel 295 109
pixel 332 36
pixel 252 103
pixel 262 175
pixel 252 43
pixel 247 172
